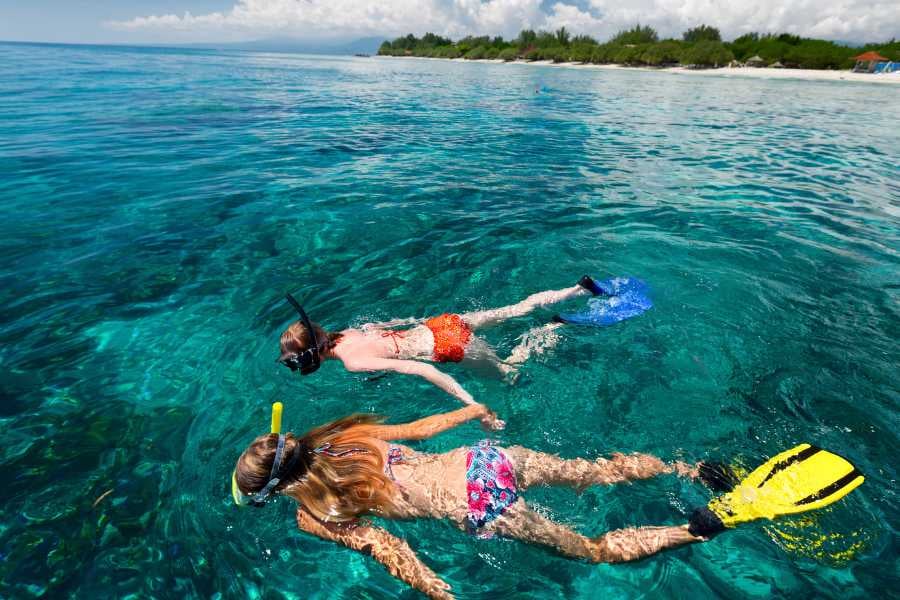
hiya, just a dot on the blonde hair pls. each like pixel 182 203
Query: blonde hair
pixel 338 475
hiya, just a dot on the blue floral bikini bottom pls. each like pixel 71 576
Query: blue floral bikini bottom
pixel 490 485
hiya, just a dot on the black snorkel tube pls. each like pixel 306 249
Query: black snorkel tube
pixel 309 360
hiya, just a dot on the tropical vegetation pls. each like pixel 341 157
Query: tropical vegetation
pixel 700 46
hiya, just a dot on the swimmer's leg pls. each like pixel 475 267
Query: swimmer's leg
pixel 482 358
pixel 535 341
pixel 539 468
pixel 486 318
pixel 520 522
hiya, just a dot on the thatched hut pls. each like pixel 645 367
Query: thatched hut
pixel 755 61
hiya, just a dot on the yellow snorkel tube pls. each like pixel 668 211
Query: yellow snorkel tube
pixel 237 495
pixel 277 409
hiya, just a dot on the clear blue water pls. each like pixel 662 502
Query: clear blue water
pixel 158 203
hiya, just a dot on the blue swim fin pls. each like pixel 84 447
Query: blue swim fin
pixel 623 298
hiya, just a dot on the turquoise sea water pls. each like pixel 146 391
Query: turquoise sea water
pixel 158 203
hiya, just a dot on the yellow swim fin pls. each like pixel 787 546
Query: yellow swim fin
pixel 801 479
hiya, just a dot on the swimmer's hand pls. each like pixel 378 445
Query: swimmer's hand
pixel 439 590
pixel 490 421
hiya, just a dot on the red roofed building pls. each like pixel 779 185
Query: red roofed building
pixel 866 62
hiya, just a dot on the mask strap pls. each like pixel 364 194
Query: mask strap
pixel 262 494
pixel 304 319
pixel 279 456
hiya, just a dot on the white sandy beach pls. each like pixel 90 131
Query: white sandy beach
pixel 807 74
pixel 758 73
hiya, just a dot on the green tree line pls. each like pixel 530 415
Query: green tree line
pixel 700 46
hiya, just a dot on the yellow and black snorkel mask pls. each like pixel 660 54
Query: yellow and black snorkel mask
pixel 279 469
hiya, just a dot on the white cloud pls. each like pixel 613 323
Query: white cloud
pixel 329 19
pixel 577 21
pixel 877 20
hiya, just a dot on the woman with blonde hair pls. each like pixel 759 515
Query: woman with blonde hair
pixel 350 468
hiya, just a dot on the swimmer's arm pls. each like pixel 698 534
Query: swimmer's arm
pixel 422 429
pixel 392 323
pixel 428 372
pixel 395 554
pixel 412 367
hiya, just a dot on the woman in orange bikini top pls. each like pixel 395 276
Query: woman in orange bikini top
pixel 445 338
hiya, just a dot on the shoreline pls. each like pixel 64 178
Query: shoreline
pixel 739 72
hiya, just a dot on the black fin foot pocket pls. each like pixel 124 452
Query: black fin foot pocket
pixel 705 523
pixel 590 285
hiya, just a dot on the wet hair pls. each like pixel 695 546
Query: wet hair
pixel 295 339
pixel 339 474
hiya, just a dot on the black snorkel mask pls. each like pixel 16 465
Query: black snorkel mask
pixel 309 360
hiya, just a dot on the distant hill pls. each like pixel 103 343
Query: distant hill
pixel 361 46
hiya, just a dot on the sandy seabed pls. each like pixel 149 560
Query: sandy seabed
pixel 759 73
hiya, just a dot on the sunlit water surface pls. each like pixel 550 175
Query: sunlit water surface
pixel 157 204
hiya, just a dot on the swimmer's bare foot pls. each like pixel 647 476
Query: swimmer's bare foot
pixel 683 469
pixel 510 373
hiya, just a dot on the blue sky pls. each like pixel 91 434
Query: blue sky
pixel 187 21
pixel 83 20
